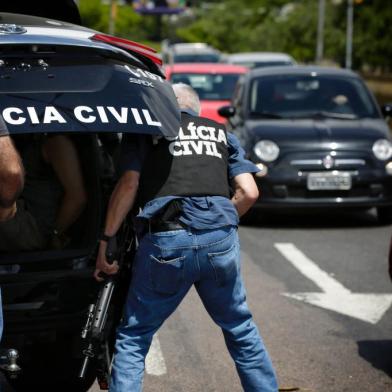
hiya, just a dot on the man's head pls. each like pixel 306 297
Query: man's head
pixel 187 97
pixel 11 173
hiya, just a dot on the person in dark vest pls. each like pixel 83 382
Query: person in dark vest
pixel 190 219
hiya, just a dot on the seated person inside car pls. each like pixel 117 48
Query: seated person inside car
pixel 53 198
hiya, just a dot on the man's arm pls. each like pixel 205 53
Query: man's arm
pixel 11 173
pixel 121 202
pixel 245 192
pixel 61 154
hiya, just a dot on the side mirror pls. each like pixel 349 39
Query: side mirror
pixel 386 110
pixel 226 111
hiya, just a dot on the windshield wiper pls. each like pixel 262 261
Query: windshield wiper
pixel 339 116
pixel 265 115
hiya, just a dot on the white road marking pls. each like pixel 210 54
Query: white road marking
pixel 336 297
pixel 155 362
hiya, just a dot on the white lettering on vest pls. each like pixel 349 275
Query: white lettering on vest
pixel 209 149
pixel 172 146
pixel 203 133
pixel 197 140
pixel 222 136
pixel 197 147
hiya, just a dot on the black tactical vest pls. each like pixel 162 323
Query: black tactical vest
pixel 195 163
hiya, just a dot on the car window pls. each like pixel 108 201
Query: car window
pixel 306 96
pixel 261 64
pixel 196 58
pixel 210 87
pixel 238 93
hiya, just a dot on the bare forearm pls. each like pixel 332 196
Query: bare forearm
pixel 245 193
pixel 241 202
pixel 11 173
pixel 121 202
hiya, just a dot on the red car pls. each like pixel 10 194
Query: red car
pixel 213 82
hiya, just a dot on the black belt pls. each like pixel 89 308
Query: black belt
pixel 155 226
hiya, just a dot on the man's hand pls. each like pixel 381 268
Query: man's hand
pixel 102 264
pixel 121 201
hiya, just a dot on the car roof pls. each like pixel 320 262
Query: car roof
pixel 259 56
pixel 205 68
pixel 184 48
pixel 301 70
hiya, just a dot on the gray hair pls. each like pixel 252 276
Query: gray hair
pixel 187 97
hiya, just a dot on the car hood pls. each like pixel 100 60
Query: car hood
pixel 318 132
pixel 209 109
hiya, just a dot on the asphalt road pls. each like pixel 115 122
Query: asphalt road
pixel 313 349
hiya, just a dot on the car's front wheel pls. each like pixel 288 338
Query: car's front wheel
pixel 384 214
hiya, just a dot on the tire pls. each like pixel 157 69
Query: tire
pixel 384 215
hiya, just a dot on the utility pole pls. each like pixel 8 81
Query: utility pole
pixel 320 31
pixel 349 33
pixel 112 16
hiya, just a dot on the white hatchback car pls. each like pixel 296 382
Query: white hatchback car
pixel 260 59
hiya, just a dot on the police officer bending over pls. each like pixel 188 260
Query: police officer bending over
pixel 190 239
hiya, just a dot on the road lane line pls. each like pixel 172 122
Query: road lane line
pixel 155 362
pixel 367 307
pixel 309 268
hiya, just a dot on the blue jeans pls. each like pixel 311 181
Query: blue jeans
pixel 166 266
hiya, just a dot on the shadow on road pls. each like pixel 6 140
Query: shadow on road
pixel 308 219
pixel 378 353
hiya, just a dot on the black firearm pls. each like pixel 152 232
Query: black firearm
pixel 95 329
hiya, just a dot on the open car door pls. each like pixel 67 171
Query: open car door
pixel 56 77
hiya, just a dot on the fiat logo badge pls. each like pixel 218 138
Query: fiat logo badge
pixel 328 162
pixel 12 29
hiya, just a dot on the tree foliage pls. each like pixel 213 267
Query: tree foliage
pixel 263 25
pixel 291 26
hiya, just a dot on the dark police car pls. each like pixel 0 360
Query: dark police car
pixel 318 137
pixel 56 77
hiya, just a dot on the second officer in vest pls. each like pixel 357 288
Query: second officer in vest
pixel 190 224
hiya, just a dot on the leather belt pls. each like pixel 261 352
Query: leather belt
pixel 155 226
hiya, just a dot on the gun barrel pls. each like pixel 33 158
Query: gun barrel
pixel 83 369
pixel 102 306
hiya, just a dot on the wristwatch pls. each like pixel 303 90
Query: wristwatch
pixel 105 237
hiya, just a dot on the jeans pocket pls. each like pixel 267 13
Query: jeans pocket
pixel 166 275
pixel 224 264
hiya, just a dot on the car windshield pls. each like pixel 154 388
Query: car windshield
pixel 297 96
pixel 196 58
pixel 262 64
pixel 210 87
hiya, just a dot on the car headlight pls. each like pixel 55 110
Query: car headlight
pixel 382 149
pixel 266 150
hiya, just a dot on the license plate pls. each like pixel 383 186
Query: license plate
pixel 329 181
